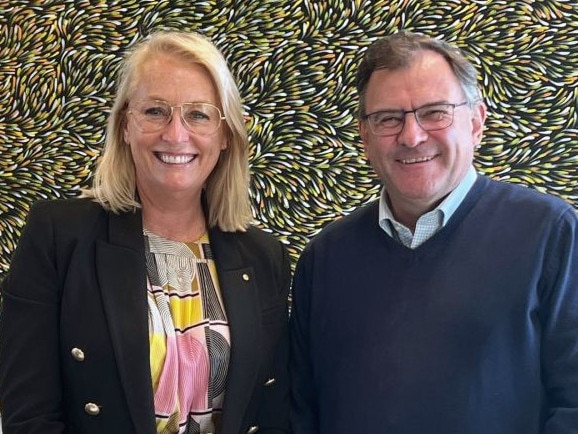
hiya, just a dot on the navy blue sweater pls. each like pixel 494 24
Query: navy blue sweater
pixel 473 332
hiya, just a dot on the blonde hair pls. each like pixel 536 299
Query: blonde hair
pixel 227 187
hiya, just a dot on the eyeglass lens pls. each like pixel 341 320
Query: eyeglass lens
pixel 430 118
pixel 198 117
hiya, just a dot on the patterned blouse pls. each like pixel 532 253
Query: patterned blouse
pixel 189 335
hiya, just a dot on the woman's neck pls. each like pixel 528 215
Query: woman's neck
pixel 178 220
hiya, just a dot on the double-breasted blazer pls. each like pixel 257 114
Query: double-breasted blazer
pixel 74 332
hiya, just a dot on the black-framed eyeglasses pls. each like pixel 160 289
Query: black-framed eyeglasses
pixel 198 117
pixel 430 117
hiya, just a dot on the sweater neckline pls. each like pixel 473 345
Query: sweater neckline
pixel 437 240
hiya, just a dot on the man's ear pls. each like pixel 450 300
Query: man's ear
pixel 363 133
pixel 478 122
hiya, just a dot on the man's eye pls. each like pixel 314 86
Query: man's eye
pixel 435 113
pixel 387 119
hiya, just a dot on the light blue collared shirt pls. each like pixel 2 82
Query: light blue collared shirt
pixel 429 223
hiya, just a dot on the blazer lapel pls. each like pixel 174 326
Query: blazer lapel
pixel 241 301
pixel 122 278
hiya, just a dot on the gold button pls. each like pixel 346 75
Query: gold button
pixel 245 277
pixel 77 354
pixel 92 409
pixel 270 381
pixel 253 429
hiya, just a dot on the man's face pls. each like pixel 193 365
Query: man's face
pixel 419 168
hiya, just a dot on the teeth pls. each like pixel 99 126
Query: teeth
pixel 176 159
pixel 416 160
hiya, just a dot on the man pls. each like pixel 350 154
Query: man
pixel 450 305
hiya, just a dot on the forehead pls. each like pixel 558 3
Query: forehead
pixel 173 79
pixel 427 79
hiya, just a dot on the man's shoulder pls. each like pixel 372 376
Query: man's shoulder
pixel 353 224
pixel 509 195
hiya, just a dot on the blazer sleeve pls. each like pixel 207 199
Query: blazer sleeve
pixel 30 391
pixel 274 409
pixel 257 395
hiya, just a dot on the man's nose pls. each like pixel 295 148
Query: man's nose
pixel 411 134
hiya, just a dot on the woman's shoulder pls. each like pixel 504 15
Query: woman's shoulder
pixel 261 232
pixel 66 212
pixel 254 238
pixel 85 205
pixel 262 236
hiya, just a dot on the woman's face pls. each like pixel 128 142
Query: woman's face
pixel 172 160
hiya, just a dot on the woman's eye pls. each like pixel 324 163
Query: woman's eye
pixel 155 112
pixel 197 116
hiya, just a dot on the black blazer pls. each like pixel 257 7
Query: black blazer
pixel 74 336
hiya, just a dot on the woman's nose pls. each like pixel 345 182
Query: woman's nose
pixel 176 130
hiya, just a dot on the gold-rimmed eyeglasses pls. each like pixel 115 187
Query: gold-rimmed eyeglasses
pixel 198 117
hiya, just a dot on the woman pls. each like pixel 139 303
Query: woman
pixel 151 305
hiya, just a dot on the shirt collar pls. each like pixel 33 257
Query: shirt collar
pixel 447 207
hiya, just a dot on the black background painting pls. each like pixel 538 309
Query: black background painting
pixel 295 63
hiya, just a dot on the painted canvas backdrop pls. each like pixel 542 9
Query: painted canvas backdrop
pixel 295 63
